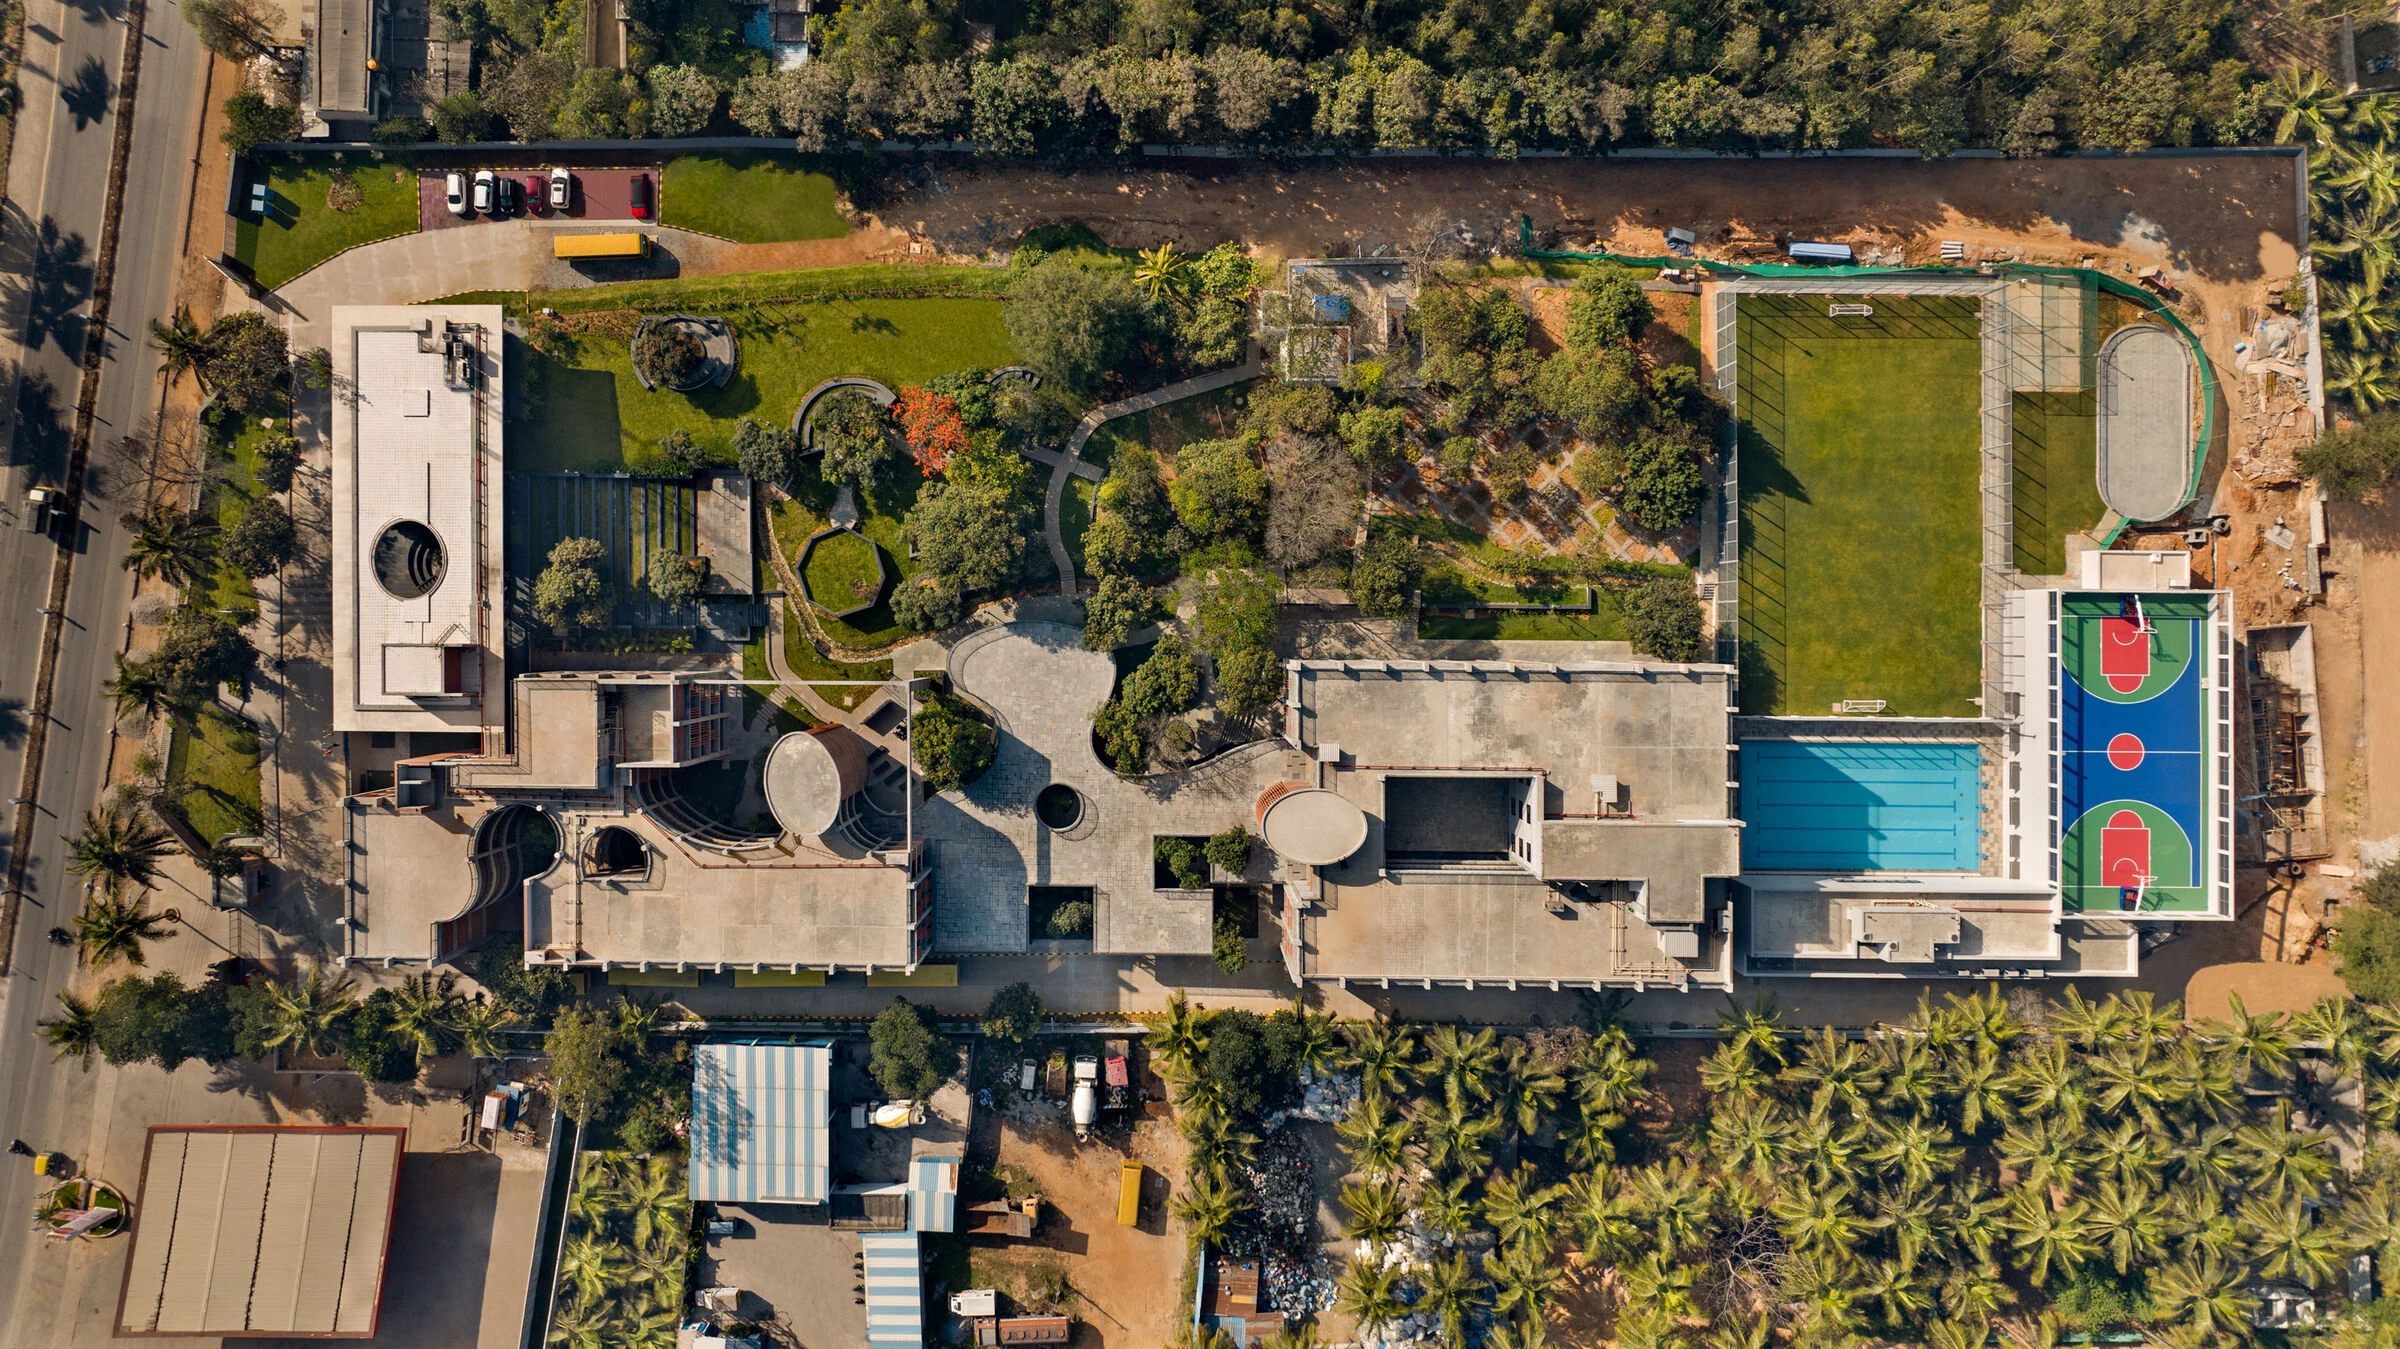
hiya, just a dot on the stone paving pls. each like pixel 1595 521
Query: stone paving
pixel 1042 687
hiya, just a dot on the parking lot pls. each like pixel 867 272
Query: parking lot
pixel 599 195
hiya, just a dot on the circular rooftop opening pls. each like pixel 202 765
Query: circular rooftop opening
pixel 615 851
pixel 408 560
pixel 1058 806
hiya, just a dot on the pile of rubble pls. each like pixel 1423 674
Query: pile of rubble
pixel 1281 1228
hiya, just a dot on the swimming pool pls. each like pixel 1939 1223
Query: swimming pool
pixel 1861 805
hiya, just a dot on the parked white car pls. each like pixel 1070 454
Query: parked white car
pixel 562 187
pixel 457 183
pixel 484 185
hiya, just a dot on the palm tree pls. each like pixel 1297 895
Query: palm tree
pixel 1207 1206
pixel 1602 1215
pixel 1756 1031
pixel 1453 1289
pixel 1457 1137
pixel 657 1201
pixel 1979 1081
pixel 1520 1208
pixel 637 1017
pixel 2205 1083
pixel 1163 273
pixel 2331 1026
pixel 1464 1062
pixel 2081 1023
pixel 308 1015
pixel 1376 1135
pixel 1311 1044
pixel 75 1032
pixel 589 1267
pixel 1383 1053
pixel 1911 1080
pixel 1294 1337
pixel 1523 1278
pixel 139 686
pixel 1915 1152
pixel 1830 1150
pixel 2310 103
pixel 118 848
pixel 2202 1222
pixel 185 346
pixel 1911 1216
pixel 1756 1334
pixel 1675 1197
pixel 175 545
pixel 595 1202
pixel 1977 1219
pixel 1749 1136
pixel 1835 1068
pixel 1445 1208
pixel 2048 1239
pixel 2124 1080
pixel 479 1023
pixel 421 1012
pixel 1901 1290
pixel 1369 1293
pixel 108 928
pixel 1179 1038
pixel 1219 1142
pixel 2207 1295
pixel 2371 1223
pixel 2289 1242
pixel 2128 1154
pixel 2049 1080
pixel 1525 1334
pixel 581 1325
pixel 1529 1088
pixel 1729 1073
pixel 2128 1221
pixel 1821 1220
pixel 2363 377
pixel 1972 1332
pixel 1375 1211
pixel 2284 1160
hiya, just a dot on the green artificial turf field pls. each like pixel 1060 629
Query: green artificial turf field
pixel 2056 481
pixel 1861 518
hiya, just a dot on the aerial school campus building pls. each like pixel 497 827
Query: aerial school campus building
pixel 1947 733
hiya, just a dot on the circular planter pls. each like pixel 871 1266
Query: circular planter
pixel 719 353
pixel 1059 807
pixel 81 1194
pixel 849 605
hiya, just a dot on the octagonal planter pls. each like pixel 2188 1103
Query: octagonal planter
pixel 855 606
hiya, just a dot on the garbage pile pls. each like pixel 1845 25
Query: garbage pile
pixel 1325 1100
pixel 1281 1228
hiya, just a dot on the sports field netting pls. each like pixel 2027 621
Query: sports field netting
pixel 2135 765
pixel 2056 489
pixel 1861 513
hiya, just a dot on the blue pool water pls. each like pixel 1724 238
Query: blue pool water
pixel 1860 805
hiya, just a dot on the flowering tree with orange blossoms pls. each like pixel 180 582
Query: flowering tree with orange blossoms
pixel 936 433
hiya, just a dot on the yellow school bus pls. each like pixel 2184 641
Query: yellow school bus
pixel 1129 1194
pixel 589 246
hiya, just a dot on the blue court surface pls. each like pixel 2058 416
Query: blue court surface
pixel 1861 805
pixel 2134 775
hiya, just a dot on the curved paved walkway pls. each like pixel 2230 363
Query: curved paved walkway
pixel 1071 463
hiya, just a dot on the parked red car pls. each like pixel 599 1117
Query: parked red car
pixel 641 196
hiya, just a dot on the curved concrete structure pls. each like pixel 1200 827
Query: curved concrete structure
pixel 1310 825
pixel 2144 437
pixel 809 774
pixel 883 397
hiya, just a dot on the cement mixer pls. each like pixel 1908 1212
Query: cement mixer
pixel 1084 1105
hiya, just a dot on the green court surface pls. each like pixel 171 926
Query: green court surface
pixel 1861 519
pixel 2056 487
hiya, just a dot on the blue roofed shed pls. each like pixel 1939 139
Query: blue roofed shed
pixel 760 1123
pixel 895 1288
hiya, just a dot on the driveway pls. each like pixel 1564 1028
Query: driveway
pixel 599 195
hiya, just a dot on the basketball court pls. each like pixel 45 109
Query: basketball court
pixel 2137 766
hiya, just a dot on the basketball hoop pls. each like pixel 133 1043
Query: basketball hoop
pixel 2130 897
pixel 2132 608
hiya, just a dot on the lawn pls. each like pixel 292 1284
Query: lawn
pixel 881 513
pixel 2056 490
pixel 214 759
pixel 750 197
pixel 842 571
pixel 576 406
pixel 1861 513
pixel 228 498
pixel 801 655
pixel 1210 416
pixel 301 231
pixel 717 294
pixel 1445 585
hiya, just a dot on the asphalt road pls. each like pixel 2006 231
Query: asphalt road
pixel 73 60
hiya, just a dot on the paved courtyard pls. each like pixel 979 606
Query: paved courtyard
pixel 1043 686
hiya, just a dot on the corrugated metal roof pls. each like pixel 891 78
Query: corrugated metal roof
pixel 261 1231
pixel 760 1117
pixel 933 1193
pixel 895 1288
pixel 345 41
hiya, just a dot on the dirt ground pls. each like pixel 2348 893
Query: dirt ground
pixel 1127 1276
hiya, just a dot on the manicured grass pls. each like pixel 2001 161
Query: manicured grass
pixel 300 230
pixel 881 514
pixel 750 197
pixel 577 407
pixel 1447 586
pixel 1861 512
pixel 228 498
pixel 2056 490
pixel 842 571
pixel 215 757
pixel 801 655
pixel 1210 416
pixel 790 715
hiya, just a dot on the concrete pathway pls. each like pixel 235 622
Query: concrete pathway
pixel 1071 464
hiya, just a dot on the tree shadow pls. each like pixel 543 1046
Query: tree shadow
pixel 41 439
pixel 88 94
pixel 56 286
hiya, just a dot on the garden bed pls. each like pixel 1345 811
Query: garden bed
pixel 843 572
pixel 882 514
pixel 213 761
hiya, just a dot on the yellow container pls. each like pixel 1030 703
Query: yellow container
pixel 601 246
pixel 1129 1194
